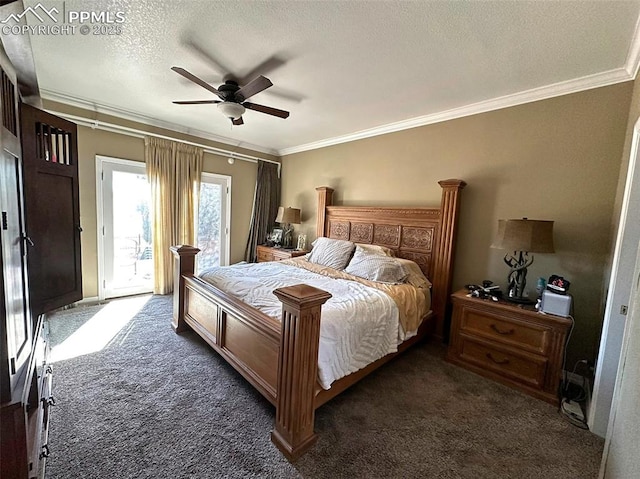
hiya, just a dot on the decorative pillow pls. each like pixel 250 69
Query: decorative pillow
pixel 374 249
pixel 375 267
pixel 331 252
pixel 415 276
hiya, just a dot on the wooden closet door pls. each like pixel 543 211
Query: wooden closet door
pixel 50 155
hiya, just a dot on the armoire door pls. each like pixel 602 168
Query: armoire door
pixel 50 156
pixel 16 332
pixel 17 318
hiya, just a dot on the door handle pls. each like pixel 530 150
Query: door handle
pixel 27 240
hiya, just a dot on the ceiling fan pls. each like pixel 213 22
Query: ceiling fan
pixel 232 102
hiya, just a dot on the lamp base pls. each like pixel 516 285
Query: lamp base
pixel 287 236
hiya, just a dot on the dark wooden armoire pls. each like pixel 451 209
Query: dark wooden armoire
pixel 40 263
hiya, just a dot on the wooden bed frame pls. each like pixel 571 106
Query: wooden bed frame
pixel 280 358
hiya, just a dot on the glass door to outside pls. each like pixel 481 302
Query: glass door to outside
pixel 127 260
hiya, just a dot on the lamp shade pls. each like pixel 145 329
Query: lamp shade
pixel 533 236
pixel 231 110
pixel 288 215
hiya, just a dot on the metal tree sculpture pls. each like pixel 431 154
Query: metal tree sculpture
pixel 517 277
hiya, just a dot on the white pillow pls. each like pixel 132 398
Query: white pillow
pixel 415 276
pixel 376 267
pixel 374 249
pixel 330 252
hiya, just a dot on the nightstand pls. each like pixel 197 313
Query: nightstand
pixel 509 343
pixel 270 253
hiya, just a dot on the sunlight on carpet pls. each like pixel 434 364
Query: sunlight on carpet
pixel 100 329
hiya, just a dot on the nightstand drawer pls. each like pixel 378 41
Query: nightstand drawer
pixel 269 253
pixel 279 255
pixel 521 368
pixel 264 256
pixel 530 337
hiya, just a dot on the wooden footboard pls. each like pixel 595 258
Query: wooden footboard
pixel 280 358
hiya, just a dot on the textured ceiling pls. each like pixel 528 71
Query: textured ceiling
pixel 339 67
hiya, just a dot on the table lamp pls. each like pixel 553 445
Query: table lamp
pixel 523 237
pixel 286 217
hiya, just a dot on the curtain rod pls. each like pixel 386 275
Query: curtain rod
pixel 125 130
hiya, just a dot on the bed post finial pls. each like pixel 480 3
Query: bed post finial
pixel 443 267
pixel 184 263
pixel 297 368
pixel 325 198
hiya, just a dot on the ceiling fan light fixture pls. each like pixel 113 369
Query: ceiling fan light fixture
pixel 231 110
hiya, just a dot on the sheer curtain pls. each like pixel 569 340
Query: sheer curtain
pixel 174 171
pixel 266 201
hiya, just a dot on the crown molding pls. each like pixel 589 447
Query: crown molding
pixel 611 77
pixel 146 120
pixel 536 94
pixel 633 56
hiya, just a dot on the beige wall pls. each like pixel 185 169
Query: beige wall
pixel 92 142
pixel 557 159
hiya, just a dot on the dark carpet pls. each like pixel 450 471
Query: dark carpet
pixel 154 404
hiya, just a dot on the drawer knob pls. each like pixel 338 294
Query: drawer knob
pixel 497 361
pixel 501 331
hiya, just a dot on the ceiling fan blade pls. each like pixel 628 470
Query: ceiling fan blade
pixel 287 95
pixel 253 87
pixel 237 121
pixel 266 109
pixel 265 67
pixel 217 65
pixel 196 102
pixel 195 79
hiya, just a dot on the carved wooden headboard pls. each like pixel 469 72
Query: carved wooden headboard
pixel 424 235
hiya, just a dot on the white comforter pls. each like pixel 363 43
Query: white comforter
pixel 358 325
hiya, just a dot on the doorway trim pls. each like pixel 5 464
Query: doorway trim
pixel 619 295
